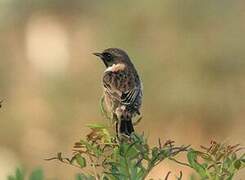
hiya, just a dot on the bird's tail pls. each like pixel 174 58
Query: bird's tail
pixel 126 127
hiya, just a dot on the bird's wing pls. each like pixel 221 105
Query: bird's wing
pixel 129 97
pixel 110 84
pixel 121 85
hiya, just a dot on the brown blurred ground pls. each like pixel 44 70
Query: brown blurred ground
pixel 190 55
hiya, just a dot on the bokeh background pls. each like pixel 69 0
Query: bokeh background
pixel 189 53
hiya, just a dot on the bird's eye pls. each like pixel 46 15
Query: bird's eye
pixel 107 56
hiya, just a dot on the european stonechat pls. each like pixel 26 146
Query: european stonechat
pixel 122 88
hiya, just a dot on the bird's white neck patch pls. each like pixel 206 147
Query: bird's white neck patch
pixel 116 67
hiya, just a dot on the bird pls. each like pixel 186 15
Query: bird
pixel 122 88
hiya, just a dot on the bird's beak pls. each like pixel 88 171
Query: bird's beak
pixel 98 54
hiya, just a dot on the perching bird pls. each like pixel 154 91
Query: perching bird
pixel 122 88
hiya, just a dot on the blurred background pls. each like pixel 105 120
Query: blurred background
pixel 190 55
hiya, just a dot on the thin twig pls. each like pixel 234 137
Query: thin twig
pixel 159 143
pixel 67 163
pixel 179 162
pixel 180 175
pixel 166 177
pixel 94 168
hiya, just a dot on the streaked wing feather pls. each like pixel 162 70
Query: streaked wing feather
pixel 110 87
pixel 129 97
pixel 115 89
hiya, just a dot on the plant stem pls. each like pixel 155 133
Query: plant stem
pixel 127 168
pixel 94 168
pixel 182 163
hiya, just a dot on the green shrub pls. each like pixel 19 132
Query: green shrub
pixel 131 158
pixel 102 156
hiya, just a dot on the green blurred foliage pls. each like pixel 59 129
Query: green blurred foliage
pixel 20 175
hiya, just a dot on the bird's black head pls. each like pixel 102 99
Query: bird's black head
pixel 113 56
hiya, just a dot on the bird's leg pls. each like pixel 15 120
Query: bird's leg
pixel 117 129
pixel 115 119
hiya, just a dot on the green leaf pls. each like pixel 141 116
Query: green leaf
pixel 205 165
pixel 91 148
pixel 154 152
pixel 233 156
pixel 36 175
pixel 79 177
pixel 162 154
pixel 96 126
pixel 227 162
pixel 131 151
pixel 140 173
pixel 192 159
pixel 19 174
pixel 80 160
pixel 237 164
pixel 73 159
pixel 242 160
